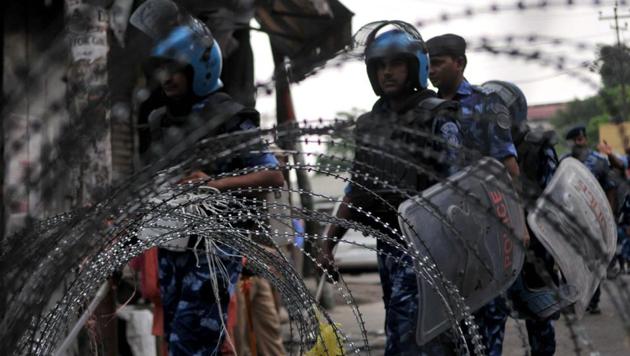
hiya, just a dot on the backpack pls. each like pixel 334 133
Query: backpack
pixel 532 155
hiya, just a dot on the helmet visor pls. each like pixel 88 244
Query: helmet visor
pixel 157 18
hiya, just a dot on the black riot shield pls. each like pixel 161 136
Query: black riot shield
pixel 471 225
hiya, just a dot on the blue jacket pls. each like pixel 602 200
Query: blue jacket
pixel 485 122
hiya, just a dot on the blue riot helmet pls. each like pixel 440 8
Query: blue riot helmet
pixel 398 43
pixel 182 41
pixel 515 101
pixel 192 45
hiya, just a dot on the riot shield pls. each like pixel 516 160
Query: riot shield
pixel 156 18
pixel 470 224
pixel 574 222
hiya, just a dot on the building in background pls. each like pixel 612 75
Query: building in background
pixel 539 116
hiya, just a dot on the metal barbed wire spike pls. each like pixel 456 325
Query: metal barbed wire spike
pixel 54 267
pixel 89 250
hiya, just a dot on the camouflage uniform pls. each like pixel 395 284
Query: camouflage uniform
pixel 492 318
pixel 486 126
pixel 623 239
pixel 599 166
pixel 377 130
pixel 485 123
pixel 542 337
pixel 540 332
pixel 193 324
pixel 400 296
pixel 192 314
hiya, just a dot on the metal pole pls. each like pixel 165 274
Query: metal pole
pixel 285 114
pixel 100 295
pixel 2 163
pixel 620 61
pixel 624 107
pixel 87 22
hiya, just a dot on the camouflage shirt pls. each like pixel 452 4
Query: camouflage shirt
pixel 485 122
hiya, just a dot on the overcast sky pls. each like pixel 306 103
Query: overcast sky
pixel 341 89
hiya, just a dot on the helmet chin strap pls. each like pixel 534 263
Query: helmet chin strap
pixel 398 101
pixel 402 94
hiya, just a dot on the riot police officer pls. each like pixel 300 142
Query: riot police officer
pixel 486 128
pixel 530 296
pixel 186 63
pixel 484 118
pixel 398 69
pixel 599 165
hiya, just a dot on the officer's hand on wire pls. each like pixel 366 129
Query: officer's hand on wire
pixel 199 177
pixel 194 177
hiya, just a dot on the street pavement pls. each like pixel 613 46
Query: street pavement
pixel 602 334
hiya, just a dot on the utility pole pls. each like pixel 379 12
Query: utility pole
pixel 3 7
pixel 285 114
pixel 87 26
pixel 620 62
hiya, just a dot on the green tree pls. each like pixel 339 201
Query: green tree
pixel 592 129
pixel 606 106
pixel 576 112
pixel 614 65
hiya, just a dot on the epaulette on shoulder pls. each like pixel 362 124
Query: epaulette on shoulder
pixel 155 121
pixel 221 103
pixel 483 90
pixel 436 104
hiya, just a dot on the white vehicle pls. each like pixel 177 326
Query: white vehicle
pixel 356 253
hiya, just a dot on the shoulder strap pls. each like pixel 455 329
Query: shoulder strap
pixel 531 152
pixel 222 109
pixel 155 123
pixel 481 90
pixel 431 107
pixel 436 104
pixel 529 155
pixel 477 88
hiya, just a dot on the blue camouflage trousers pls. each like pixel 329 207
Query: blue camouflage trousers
pixel 542 337
pixel 491 319
pixel 192 314
pixel 400 296
pixel 623 240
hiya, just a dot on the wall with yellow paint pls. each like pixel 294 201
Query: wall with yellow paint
pixel 614 134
